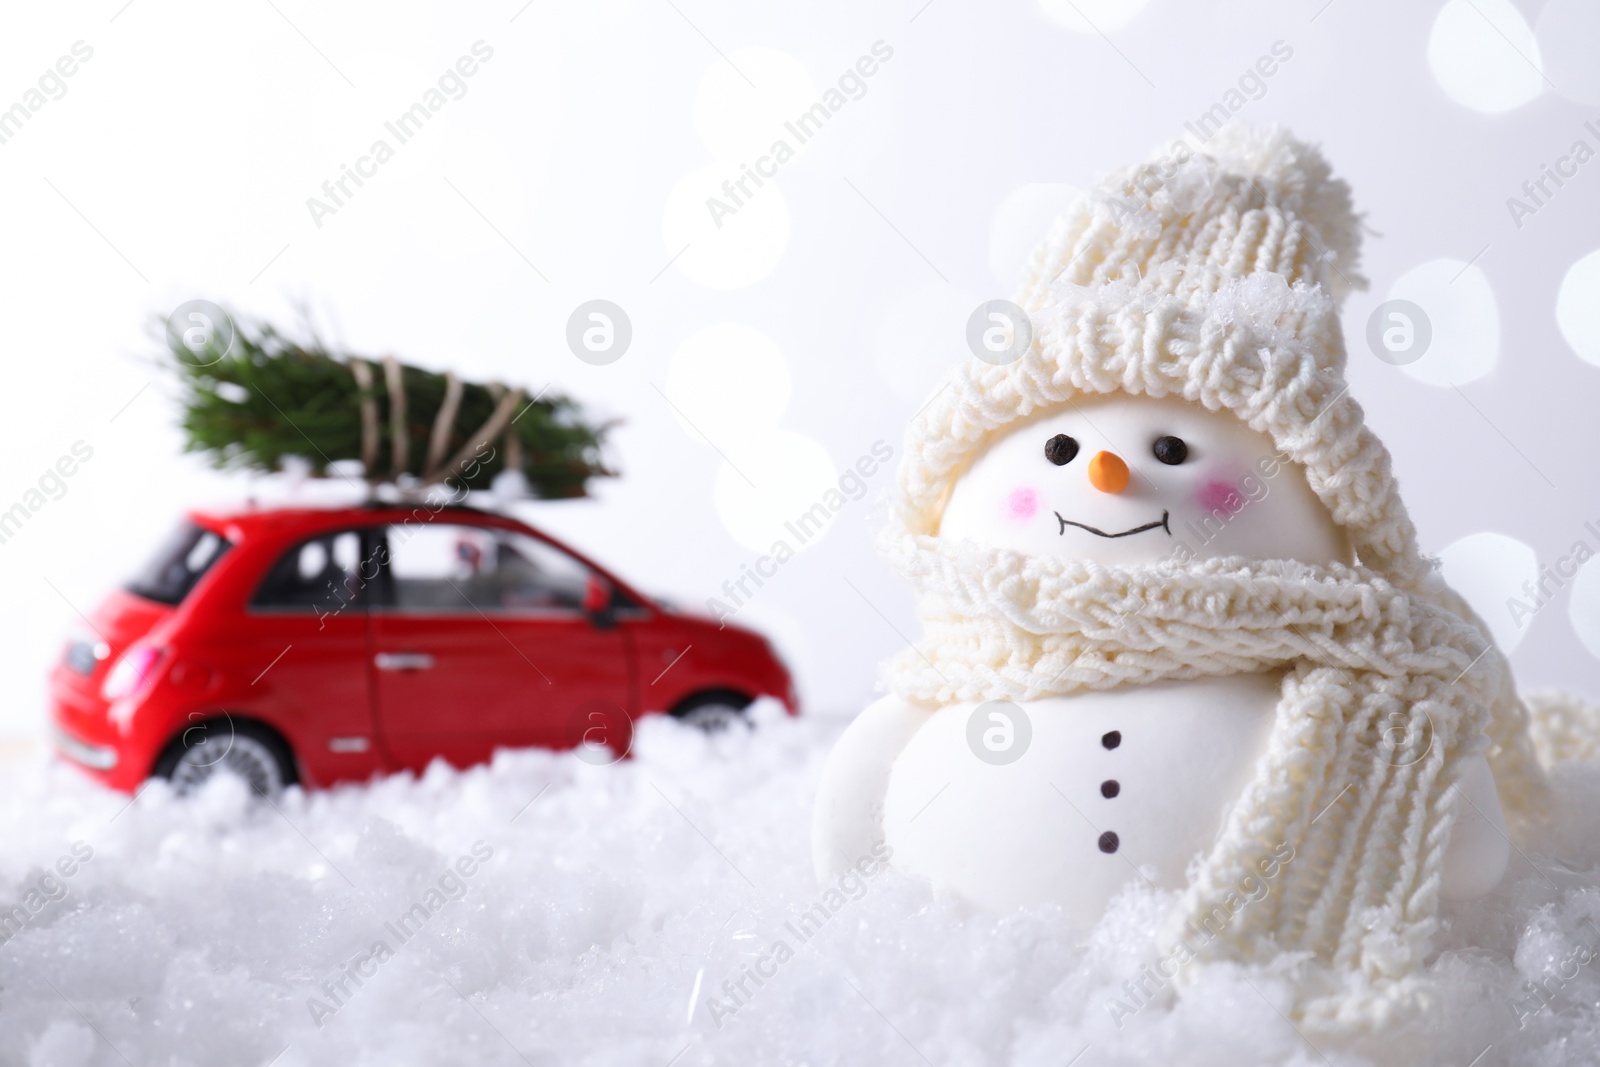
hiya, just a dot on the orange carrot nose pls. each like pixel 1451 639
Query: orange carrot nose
pixel 1108 473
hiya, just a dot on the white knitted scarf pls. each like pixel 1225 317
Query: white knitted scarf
pixel 1384 691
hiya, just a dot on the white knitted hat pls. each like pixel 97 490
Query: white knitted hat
pixel 1215 274
pixel 1215 277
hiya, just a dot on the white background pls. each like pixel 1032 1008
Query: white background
pixel 179 161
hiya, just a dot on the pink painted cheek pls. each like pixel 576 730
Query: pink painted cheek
pixel 1218 495
pixel 1022 504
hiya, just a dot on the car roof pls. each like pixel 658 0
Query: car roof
pixel 251 518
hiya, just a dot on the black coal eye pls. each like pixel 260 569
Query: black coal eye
pixel 1171 450
pixel 1060 449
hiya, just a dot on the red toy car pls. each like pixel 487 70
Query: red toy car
pixel 325 645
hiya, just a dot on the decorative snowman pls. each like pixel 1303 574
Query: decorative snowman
pixel 1176 626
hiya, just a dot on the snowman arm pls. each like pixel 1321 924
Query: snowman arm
pixel 848 818
pixel 1479 848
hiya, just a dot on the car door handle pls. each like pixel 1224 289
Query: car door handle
pixel 403 661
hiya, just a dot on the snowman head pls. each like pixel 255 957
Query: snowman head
pixel 1184 394
pixel 1123 479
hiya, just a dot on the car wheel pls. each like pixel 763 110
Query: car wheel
pixel 224 745
pixel 714 712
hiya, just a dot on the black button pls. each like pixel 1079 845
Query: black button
pixel 1108 841
pixel 1109 788
pixel 1112 739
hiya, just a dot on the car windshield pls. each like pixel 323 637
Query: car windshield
pixel 184 557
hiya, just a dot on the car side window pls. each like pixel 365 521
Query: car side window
pixel 445 568
pixel 321 575
pixel 178 567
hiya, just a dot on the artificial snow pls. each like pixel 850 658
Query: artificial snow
pixel 660 910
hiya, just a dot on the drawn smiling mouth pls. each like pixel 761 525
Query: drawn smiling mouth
pixel 1161 523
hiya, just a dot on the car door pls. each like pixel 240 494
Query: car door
pixel 305 647
pixel 480 641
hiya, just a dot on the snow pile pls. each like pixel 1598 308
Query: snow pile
pixel 657 911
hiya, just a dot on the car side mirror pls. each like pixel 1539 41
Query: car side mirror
pixel 598 602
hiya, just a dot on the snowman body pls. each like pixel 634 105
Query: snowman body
pixel 1064 800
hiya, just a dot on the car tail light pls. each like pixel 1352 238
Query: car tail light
pixel 130 673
